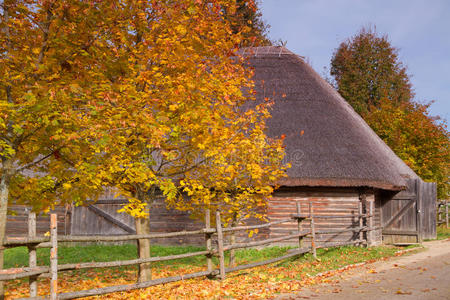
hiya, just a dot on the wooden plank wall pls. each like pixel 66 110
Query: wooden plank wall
pixel 378 236
pixel 325 201
pixel 17 221
pixel 170 220
pixel 87 222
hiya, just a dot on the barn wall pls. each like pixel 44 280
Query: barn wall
pixel 162 220
pixel 325 201
pixel 377 233
pixel 17 221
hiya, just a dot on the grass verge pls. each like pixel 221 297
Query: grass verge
pixel 443 232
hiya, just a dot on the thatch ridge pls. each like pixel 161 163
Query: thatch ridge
pixel 337 147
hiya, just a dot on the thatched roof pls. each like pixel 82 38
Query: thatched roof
pixel 327 142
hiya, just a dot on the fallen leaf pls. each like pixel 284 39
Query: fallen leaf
pixel 400 292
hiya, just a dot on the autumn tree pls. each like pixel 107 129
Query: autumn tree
pixel 368 74
pixel 174 111
pixel 48 91
pixel 246 19
pixel 366 68
pixel 416 137
pixel 241 178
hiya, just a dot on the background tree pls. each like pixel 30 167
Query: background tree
pixel 246 19
pixel 368 74
pixel 366 68
pixel 416 137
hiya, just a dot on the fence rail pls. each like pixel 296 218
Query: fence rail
pixel 32 242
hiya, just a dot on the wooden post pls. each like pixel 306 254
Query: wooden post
pixel 370 233
pixel 446 213
pixel 208 239
pixel 313 231
pixel 360 217
pixel 53 257
pixel 220 246
pixel 299 225
pixel 419 202
pixel 32 261
pixel 439 219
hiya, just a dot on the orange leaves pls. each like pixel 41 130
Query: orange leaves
pixel 416 137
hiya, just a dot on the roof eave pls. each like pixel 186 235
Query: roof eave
pixel 340 182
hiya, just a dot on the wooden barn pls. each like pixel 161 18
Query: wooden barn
pixel 337 159
pixel 337 163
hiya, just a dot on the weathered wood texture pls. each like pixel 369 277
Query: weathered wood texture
pixel 399 215
pixel 32 254
pixel 428 208
pixel 326 202
pixel 17 221
pixel 89 221
pixel 53 257
pixel 410 215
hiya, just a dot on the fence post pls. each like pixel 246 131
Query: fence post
pixel 299 225
pixel 446 214
pixel 208 240
pixel 220 246
pixel 370 229
pixel 313 231
pixel 438 213
pixel 32 261
pixel 360 217
pixel 53 257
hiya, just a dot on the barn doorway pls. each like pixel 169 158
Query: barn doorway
pixel 409 216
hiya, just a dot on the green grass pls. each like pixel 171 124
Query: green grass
pixel 443 232
pixel 295 267
pixel 18 257
pixel 335 258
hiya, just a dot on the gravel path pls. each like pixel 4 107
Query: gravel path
pixel 424 275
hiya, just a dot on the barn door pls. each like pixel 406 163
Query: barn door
pixel 102 218
pixel 400 216
pixel 427 192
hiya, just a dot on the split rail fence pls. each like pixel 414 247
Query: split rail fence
pixel 442 212
pixel 363 229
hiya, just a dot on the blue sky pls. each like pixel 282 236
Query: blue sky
pixel 419 28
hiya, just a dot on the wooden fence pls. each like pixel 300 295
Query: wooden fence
pixel 442 212
pixel 33 272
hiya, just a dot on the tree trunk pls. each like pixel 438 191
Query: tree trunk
pixel 143 227
pixel 4 194
pixel 232 262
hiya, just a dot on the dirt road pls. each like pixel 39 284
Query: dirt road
pixel 424 275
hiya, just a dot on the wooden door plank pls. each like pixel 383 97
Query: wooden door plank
pixel 400 213
pixel 111 219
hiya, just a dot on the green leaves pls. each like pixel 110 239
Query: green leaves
pixel 366 68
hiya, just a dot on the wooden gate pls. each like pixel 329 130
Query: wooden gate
pixel 410 216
